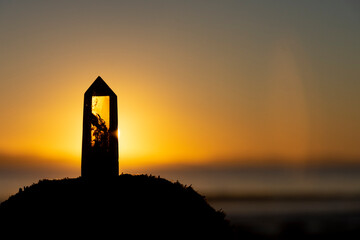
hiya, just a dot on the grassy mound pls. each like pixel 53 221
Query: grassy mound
pixel 139 206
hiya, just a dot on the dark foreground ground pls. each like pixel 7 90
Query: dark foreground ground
pixel 147 207
pixel 125 207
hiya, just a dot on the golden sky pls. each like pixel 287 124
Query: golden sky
pixel 197 81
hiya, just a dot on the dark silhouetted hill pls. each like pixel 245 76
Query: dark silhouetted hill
pixel 125 207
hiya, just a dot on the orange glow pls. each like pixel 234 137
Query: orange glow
pixel 189 91
pixel 154 131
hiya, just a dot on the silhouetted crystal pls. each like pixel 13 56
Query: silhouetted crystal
pixel 100 141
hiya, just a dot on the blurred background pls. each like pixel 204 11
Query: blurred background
pixel 254 104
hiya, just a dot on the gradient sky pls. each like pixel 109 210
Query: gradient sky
pixel 197 81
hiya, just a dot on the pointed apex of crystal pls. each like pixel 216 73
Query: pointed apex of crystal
pixel 99 88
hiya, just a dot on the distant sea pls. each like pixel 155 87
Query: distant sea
pixel 242 181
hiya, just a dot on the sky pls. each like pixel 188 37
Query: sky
pixel 198 82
